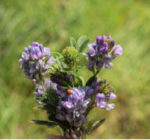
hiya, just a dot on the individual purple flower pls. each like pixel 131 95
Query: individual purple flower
pixel 35 61
pixel 105 47
pixel 111 96
pixel 69 77
pixel 60 92
pixel 107 62
pixel 49 84
pixel 117 50
pixel 92 51
pixel 69 104
pixel 100 39
pixel 112 43
pixel 100 97
pixel 78 93
pixel 100 100
pixel 39 91
pixel 88 90
pixel 110 107
pixel 101 104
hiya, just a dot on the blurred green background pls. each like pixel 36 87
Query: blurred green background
pixel 53 22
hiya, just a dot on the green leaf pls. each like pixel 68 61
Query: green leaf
pixel 95 125
pixel 83 46
pixel 81 80
pixel 61 64
pixel 90 81
pixel 60 130
pixel 82 43
pixel 52 98
pixel 81 40
pixel 58 62
pixel 73 42
pixel 46 123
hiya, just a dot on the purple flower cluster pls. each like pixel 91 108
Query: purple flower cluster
pixel 72 106
pixel 101 100
pixel 36 61
pixel 74 102
pixel 101 53
pixel 41 89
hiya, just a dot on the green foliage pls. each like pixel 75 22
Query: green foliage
pixel 60 77
pixel 67 65
pixel 95 125
pixel 81 80
pixel 90 80
pixel 52 97
pixel 73 43
pixel 51 103
pixel 46 123
pixel 80 44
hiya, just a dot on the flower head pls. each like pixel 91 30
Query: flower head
pixel 73 106
pixel 35 61
pixel 101 53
